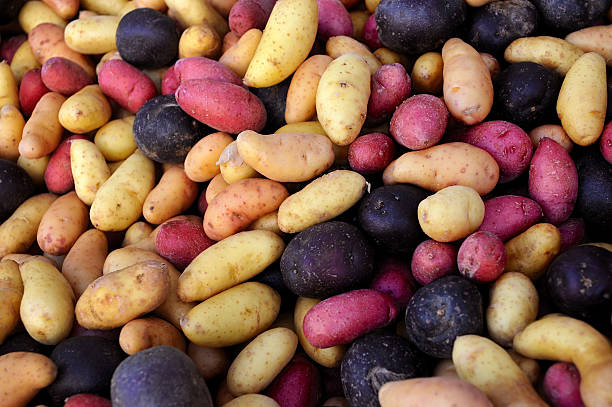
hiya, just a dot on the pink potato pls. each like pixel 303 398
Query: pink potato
pixel 419 122
pixel 562 385
pixel 87 400
pixel 126 84
pixel 180 241
pixel 572 232
pixel 393 277
pixel 31 90
pixel 370 35
pixel 334 19
pixel 64 76
pixel 204 68
pixel 482 257
pixel 10 45
pixel 605 143
pixel 507 143
pixel 221 105
pixel 344 317
pixel 508 215
pixel 297 385
pixel 247 14
pixel 389 87
pixel 371 153
pixel 432 260
pixel 553 181
pixel 58 175
pixel 169 82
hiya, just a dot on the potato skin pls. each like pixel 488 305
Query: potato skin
pixel 24 374
pixel 84 262
pixel 12 122
pixel 533 250
pixel 204 68
pixel 62 224
pixel 43 131
pixel 553 53
pixel 116 77
pixel 86 110
pixel 64 76
pixel 419 122
pixel 299 384
pixel 426 75
pixel 174 194
pixel 92 35
pixel 11 287
pixel 301 96
pixel 508 215
pixel 144 333
pixel 481 257
pixel 88 168
pixel 594 39
pixel 413 392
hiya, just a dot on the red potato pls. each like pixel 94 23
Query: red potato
pixel 508 215
pixel 432 260
pixel 31 90
pixel 298 385
pixel 169 82
pixel 371 153
pixel 247 14
pixel 419 122
pixel 126 84
pixel 64 76
pixel 482 257
pixel 562 385
pixel 344 317
pixel 553 181
pixel 9 47
pixel 605 144
pixel 390 85
pixel 204 68
pixel 221 105
pixel 370 35
pixel 394 278
pixel 572 232
pixel 180 241
pixel 58 175
pixel 87 400
pixel 334 19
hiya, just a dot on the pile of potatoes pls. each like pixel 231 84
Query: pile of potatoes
pixel 305 203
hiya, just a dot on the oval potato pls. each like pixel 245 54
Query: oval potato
pixel 144 333
pixel 201 161
pixel 92 35
pixel 11 123
pixel 62 224
pixel 594 39
pixel 174 194
pixel 83 263
pixel 11 292
pixel 302 93
pixel 34 13
pixel 342 44
pixel 89 169
pixel 23 375
pixel 553 53
pixel 532 251
pixel 86 110
pixel 432 392
pixel 116 139
pixel 43 131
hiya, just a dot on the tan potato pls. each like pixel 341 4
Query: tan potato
pixel 174 194
pixel 301 96
pixel 104 7
pixel 116 139
pixel 432 392
pixel 89 169
pixel 268 222
pixel 47 305
pixel 11 123
pixel 530 367
pixel 33 13
pixel 340 152
pixel 532 251
pixel 86 110
pixel 492 64
pixel 251 400
pixel 9 94
pixel 232 166
pixel 467 85
pixel 23 60
pixel 554 53
pixel 117 298
pixel 201 161
pixel 194 12
pixel 200 41
pixel 552 131
pixel 62 224
pixel 359 18
pixel 21 258
pixel 35 167
pixel 594 39
pixel 136 232
pixel 211 362
pixel 23 375
pixel 513 305
pixel 223 6
pixel 159 5
pixel 229 40
pixel 66 9
pixel 92 35
pixel 83 263
pixel 215 186
pixel 342 44
pixel 127 7
pixel 11 291
pixel 228 263
pixel 43 132
pixel 144 333
pixel 387 57
pixel 322 199
pixel 444 165
pixel 238 57
pixel 232 316
pixel 18 232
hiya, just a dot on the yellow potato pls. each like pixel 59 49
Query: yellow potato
pixel 432 392
pixel 104 7
pixel 127 7
pixel 232 166
pixel 35 12
pixel 23 375
pixel 386 57
pixel 322 199
pixel 286 41
pixel 89 169
pixel 211 362
pixel 92 35
pixel 117 298
pixel 116 139
pixel 18 232
pixel 174 194
pixel 530 367
pixel 342 98
pixel 532 251
pixel 136 232
pixel 359 18
pixel 200 41
pixel 301 96
pixel 47 306
pixel 9 95
pixel 11 123
pixel 513 305
pixel 371 5
pixel 232 316
pixel 552 131
pixel 23 60
pixel 342 44
pixel 86 110
pixel 489 367
pixel 194 12
pixel 238 57
pixel 554 53
pixel 201 161
pixel 223 6
pixel 119 200
pixel 261 361
pixel 444 165
pixel 594 39
pixel 62 224
pixel 582 101
pixel 251 400
pixel 35 167
pixel 451 213
pixel 11 291
pixel 340 152
pixel 66 9
pixel 159 5
pixel 215 186
pixel 268 222
pixel 43 132
pixel 144 333
pixel 83 263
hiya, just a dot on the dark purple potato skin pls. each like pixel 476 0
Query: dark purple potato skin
pixel 564 16
pixel 327 259
pixel 15 187
pixel 274 99
pixel 23 342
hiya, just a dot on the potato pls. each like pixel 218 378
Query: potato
pixel 245 15
pixel 390 87
pixel 199 41
pixel 86 110
pixel 594 39
pixel 35 167
pixel 117 298
pixel 239 56
pixel 11 288
pixel 432 260
pixel 42 132
pixel 64 76
pixel 66 9
pixel 126 84
pixel 342 44
pixel 89 169
pixel 388 57
pixel 174 194
pixel 419 122
pixel 561 384
pixel 552 131
pixel 92 35
pixel 232 166
pixel 444 165
pixel 9 95
pixel 23 375
pixel 553 53
pixel 251 400
pixel 31 89
pixel 34 13
pixel 530 367
pixel 298 384
pixel 492 64
pixel 261 361
pixel 47 306
pixel 232 316
pixel 211 362
pixel 103 7
pixel 62 224
pixel 181 241
pixel 301 97
pixel 201 161
pixel 581 105
pixel 193 12
pixel 467 86
pixel 489 367
pixel 23 61
pixel 322 199
pixel 12 123
pixel 273 60
pixel 342 109
pixel 204 68
pixel 115 139
pixel 508 215
pixel 83 263
pixel 144 333
pixel 481 257
pixel 371 153
pixel 532 251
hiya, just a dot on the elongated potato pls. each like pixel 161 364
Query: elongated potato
pixel 194 12
pixel 594 39
pixel 342 44
pixel 9 94
pixel 238 57
pixel 554 53
pixel 174 193
pixel 66 9
pixel 23 61
pixel 86 110
pixel 11 123
pixel 89 169
pixel 92 35
pixel 250 400
pixel 47 306
pixel 232 166
pixel 42 133
pixel 35 167
pixel 23 374
pixel 302 93
pixel 34 13
pixel 342 98
pixel 104 7
pixel 83 263
pixel 467 85
pixel 340 152
pixel 201 161
pixel 229 262
pixel 211 362
pixel 432 392
pixel 144 333
pixel 11 291
pixel 532 251
pixel 62 224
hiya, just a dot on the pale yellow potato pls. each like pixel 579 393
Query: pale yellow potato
pixel 156 75
pixel 286 157
pixel 286 41
pixel 322 199
pixel 119 200
pixel 62 224
pixel 340 152
pixel 89 169
pixel 104 7
pixel 35 12
pixel 512 306
pixel 114 299
pixel 11 291
pixel 301 96
pixel 66 9
pixel 532 251
pixel 43 132
pixel 201 161
pixel 239 56
pixel 211 362
pixel 127 7
pixel 451 213
pixel 232 166
pixel 228 263
pixel 386 57
pixel 261 361
pixel 530 367
pixel 342 98
pixel 232 316
pixel 174 194
pixel 92 35
pixel 18 232
pixel 342 44
pixel 83 263
pixel 35 167
pixel 47 305
pixel 251 400
pixel 200 41
pixel 23 61
pixel 23 375
pixel 432 392
pixel 582 101
pixel 426 73
pixel 194 12
pixel 371 5
pixel 268 222
pixel 223 7
pixel 9 94
pixel 215 186
pixel 551 52
pixel 136 232
pixel 86 110
pixel 110 55
pixel 489 367
pixel 443 165
pixel 116 139
pixel 86 13
pixel 594 39
pixel 159 5
pixel 144 333
pixel 561 338
pixel 359 18
pixel 328 357
pixel 553 132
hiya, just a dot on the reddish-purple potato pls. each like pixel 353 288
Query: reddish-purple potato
pixel 344 317
pixel 432 260
pixel 334 19
pixel 247 14
pixel 31 90
pixel 370 35
pixel 482 257
pixel 371 153
pixel 390 86
pixel 297 385
pixel 169 83
pixel 393 277
pixel 58 174
pixel 180 241
pixel 419 122
pixel 605 143
pixel 204 68
pixel 64 76
pixel 202 202
pixel 553 181
pixel 508 215
pixel 562 385
pixel 9 47
pixel 126 84
pixel 572 232
pixel 87 400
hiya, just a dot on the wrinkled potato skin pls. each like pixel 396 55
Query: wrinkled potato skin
pixel 533 250
pixel 23 374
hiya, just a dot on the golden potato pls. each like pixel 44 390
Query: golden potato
pixel 342 44
pixel 62 224
pixel 426 74
pixel 92 35
pixel 86 110
pixel 201 161
pixel 532 251
pixel 200 41
pixel 116 139
pixel 11 291
pixel 43 131
pixel 144 333
pixel 89 169
pixel 301 96
pixel 554 53
pixel 11 123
